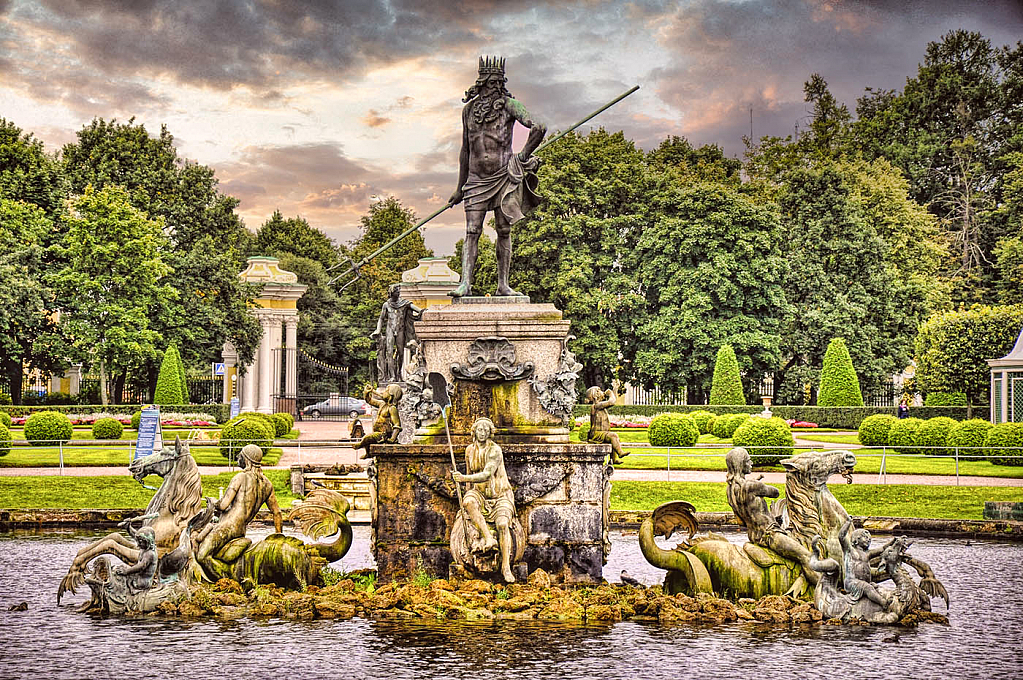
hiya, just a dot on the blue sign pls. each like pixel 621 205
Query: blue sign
pixel 150 438
pixel 236 406
pixel 218 369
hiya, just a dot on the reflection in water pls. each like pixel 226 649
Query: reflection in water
pixel 984 580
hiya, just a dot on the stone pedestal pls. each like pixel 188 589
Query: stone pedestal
pixel 558 498
pixel 461 338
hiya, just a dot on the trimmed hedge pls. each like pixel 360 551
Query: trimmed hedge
pixel 217 412
pixel 5 440
pixel 46 427
pixel 839 384
pixel 934 432
pixel 969 433
pixel 107 428
pixel 5 419
pixel 846 418
pixel 945 399
pixel 136 419
pixel 726 384
pixel 673 429
pixel 874 430
pixel 1008 435
pixel 245 429
pixel 902 435
pixel 770 432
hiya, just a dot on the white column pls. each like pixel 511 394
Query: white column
pixel 263 388
pixel 291 352
pixel 248 387
pixel 276 342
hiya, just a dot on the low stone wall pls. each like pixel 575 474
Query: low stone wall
pixel 559 502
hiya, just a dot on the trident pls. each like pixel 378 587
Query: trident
pixel 356 267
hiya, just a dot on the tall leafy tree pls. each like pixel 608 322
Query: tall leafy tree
pixel 114 276
pixel 294 235
pixel 952 349
pixel 570 251
pixel 711 271
pixel 204 242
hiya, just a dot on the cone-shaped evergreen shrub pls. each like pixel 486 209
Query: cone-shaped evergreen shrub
pixel 726 387
pixel 168 383
pixel 839 384
pixel 183 381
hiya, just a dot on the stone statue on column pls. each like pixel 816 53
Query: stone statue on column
pixel 393 332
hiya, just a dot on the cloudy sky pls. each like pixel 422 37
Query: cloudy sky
pixel 313 108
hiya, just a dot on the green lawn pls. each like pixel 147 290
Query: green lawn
pixel 830 438
pixel 112 492
pixel 868 461
pixel 105 456
pixel 902 500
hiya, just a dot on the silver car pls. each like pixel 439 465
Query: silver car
pixel 334 406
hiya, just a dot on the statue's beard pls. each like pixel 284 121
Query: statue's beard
pixel 487 107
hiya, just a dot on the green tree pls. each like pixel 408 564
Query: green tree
pixel 114 278
pixel 862 259
pixel 486 263
pixel 27 173
pixel 29 335
pixel 205 239
pixel 839 384
pixel 570 251
pixel 294 235
pixel 168 383
pixel 726 387
pixel 952 349
pixel 947 132
pixel 710 270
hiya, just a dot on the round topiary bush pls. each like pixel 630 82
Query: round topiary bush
pixel 934 432
pixel 136 419
pixel 5 440
pixel 5 399
pixel 245 429
pixel 107 428
pixel 673 429
pixel 728 423
pixel 900 435
pixel 773 433
pixel 282 424
pixel 874 430
pixel 1009 436
pixel 46 428
pixel 945 399
pixel 5 419
pixel 967 435
pixel 702 420
pixel 287 416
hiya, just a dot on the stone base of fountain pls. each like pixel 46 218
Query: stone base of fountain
pixel 558 498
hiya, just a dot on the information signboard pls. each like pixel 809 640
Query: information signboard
pixel 236 406
pixel 150 438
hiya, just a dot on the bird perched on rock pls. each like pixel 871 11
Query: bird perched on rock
pixel 628 580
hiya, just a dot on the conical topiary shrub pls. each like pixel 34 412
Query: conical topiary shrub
pixel 168 383
pixel 839 384
pixel 182 379
pixel 726 387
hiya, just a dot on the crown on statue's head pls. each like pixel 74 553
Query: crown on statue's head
pixel 492 66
